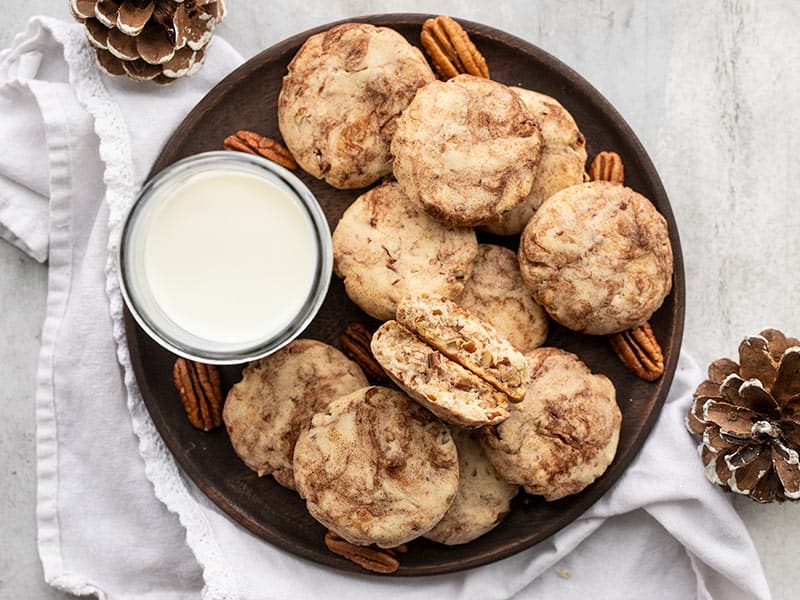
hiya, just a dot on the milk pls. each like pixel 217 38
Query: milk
pixel 229 256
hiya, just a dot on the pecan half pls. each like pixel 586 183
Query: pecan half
pixel 370 558
pixel 450 49
pixel 639 351
pixel 355 344
pixel 607 166
pixel 253 143
pixel 201 392
pixel 401 549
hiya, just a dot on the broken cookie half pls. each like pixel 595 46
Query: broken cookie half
pixel 450 361
pixel 468 340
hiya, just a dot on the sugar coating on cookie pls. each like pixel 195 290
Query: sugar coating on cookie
pixel 448 390
pixel 561 165
pixel 384 248
pixel 597 257
pixel 483 498
pixel 377 468
pixel 496 293
pixel 341 98
pixel 563 435
pixel 466 150
pixel 467 339
pixel 266 411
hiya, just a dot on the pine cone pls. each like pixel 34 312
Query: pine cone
pixel 157 40
pixel 749 417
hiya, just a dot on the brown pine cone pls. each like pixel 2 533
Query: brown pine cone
pixel 157 40
pixel 749 417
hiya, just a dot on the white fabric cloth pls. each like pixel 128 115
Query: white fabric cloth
pixel 118 519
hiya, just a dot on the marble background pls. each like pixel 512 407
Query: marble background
pixel 710 88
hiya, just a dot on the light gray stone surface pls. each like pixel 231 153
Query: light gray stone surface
pixel 710 88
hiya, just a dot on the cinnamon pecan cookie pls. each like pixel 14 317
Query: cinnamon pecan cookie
pixel 496 293
pixel 597 257
pixel 466 150
pixel 376 468
pixel 563 435
pixel 471 342
pixel 441 385
pixel 385 248
pixel 483 499
pixel 339 103
pixel 276 398
pixel 561 165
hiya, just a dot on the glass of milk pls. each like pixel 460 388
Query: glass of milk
pixel 225 257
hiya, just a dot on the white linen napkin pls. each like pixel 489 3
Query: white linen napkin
pixel 118 519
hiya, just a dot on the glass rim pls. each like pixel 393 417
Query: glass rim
pixel 248 351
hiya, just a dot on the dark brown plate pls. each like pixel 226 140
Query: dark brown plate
pixel 246 99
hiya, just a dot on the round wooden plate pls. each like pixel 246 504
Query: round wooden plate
pixel 247 99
